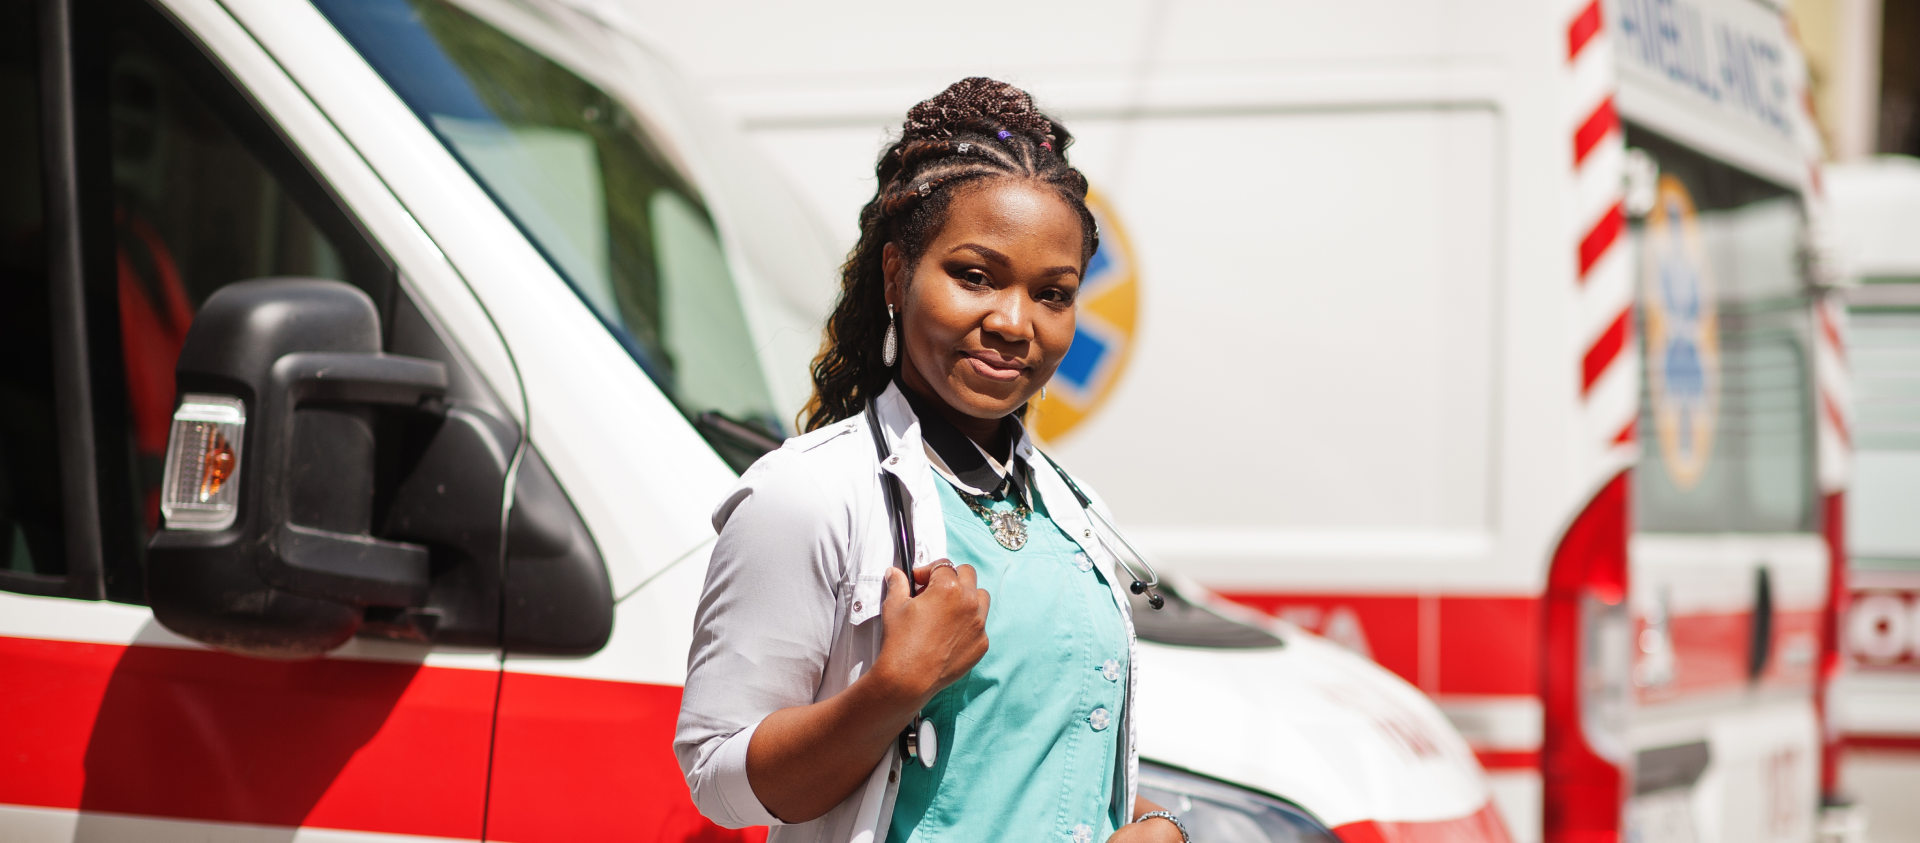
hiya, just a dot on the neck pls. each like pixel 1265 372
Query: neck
pixel 989 434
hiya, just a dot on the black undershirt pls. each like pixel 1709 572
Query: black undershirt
pixel 966 461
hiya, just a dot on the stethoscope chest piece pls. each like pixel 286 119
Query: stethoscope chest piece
pixel 923 742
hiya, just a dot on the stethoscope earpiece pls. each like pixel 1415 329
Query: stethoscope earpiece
pixel 1153 597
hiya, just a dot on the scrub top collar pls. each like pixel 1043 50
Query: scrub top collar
pixel 958 459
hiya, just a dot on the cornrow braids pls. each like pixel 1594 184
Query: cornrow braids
pixel 975 131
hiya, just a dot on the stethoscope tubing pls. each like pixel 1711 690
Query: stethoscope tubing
pixel 1141 585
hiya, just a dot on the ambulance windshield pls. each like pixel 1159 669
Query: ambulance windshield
pixel 576 171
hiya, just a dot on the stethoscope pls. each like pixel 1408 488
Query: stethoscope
pixel 919 740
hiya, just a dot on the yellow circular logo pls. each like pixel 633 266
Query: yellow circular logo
pixel 1108 305
pixel 1683 335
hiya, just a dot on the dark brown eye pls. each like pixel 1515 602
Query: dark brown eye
pixel 975 277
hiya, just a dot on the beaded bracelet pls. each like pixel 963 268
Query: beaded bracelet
pixel 1170 818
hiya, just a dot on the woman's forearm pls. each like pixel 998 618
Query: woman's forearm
pixel 804 760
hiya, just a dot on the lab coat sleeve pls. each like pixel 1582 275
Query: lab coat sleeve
pixel 763 627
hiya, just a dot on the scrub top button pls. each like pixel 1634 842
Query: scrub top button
pixel 1082 833
pixel 1110 670
pixel 1083 562
pixel 1099 719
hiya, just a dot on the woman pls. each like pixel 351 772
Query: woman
pixel 811 653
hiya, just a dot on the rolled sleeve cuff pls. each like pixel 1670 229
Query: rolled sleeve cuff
pixel 721 790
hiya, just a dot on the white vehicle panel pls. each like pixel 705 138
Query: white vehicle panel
pixel 1292 504
pixel 1311 722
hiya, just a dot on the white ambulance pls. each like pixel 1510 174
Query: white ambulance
pixel 1875 211
pixel 1506 316
pixel 372 367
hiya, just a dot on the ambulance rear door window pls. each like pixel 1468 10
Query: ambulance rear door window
pixel 1726 427
pixel 1883 500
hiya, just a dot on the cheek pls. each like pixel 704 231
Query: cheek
pixel 937 320
pixel 1055 333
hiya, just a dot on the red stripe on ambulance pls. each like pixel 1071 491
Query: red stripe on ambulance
pixel 583 759
pixel 345 744
pixel 195 734
pixel 1486 645
pixel 1602 122
pixel 1482 826
pixel 1601 237
pixel 1580 32
pixel 1605 350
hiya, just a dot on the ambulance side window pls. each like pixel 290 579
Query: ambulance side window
pixel 182 188
pixel 32 540
pixel 205 194
pixel 585 180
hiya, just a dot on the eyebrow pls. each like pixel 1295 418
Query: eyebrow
pixel 993 256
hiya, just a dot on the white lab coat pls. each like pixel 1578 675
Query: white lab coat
pixel 790 612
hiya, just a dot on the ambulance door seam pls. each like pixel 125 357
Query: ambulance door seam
pixel 520 388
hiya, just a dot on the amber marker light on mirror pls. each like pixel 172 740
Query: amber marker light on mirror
pixel 201 489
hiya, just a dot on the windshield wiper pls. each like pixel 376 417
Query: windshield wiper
pixel 740 443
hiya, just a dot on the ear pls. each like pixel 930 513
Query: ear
pixel 893 272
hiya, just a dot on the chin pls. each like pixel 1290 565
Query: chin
pixel 987 400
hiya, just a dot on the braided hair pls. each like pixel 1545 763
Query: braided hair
pixel 976 130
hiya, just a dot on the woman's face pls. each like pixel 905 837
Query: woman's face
pixel 987 311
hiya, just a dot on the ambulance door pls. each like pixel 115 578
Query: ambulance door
pixel 156 161
pixel 1728 565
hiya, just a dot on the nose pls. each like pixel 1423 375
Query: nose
pixel 1009 315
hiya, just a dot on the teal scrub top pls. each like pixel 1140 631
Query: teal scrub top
pixel 1028 738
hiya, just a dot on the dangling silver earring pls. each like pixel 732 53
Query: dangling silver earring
pixel 890 347
pixel 1043 393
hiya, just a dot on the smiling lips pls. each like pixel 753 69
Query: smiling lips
pixel 992 366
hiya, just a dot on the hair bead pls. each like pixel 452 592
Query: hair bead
pixel 1004 134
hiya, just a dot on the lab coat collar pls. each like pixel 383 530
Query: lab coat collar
pixel 908 460
pixel 965 464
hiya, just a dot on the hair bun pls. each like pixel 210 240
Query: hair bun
pixel 975 103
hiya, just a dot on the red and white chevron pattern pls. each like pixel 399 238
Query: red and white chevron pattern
pixel 1831 384
pixel 1609 356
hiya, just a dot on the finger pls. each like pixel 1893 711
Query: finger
pixel 968 576
pixel 985 602
pixel 897 592
pixel 924 573
pixel 945 574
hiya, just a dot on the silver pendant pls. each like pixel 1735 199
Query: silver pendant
pixel 1009 529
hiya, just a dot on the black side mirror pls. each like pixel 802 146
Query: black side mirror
pixel 270 480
